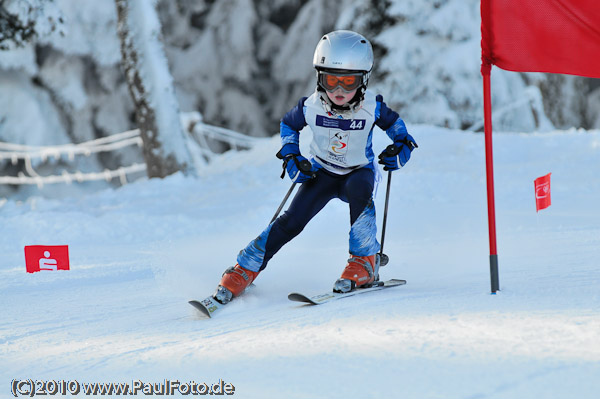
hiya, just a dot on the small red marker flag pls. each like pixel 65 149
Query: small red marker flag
pixel 46 257
pixel 542 192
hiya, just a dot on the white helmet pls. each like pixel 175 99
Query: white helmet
pixel 344 52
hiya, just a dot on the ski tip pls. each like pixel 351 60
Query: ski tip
pixel 200 307
pixel 294 296
pixel 297 297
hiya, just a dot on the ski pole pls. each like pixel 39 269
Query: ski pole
pixel 383 258
pixel 305 167
pixel 391 149
pixel 283 202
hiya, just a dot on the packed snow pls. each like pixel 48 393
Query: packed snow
pixel 139 253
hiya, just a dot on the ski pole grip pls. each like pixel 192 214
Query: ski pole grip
pixel 305 166
pixel 392 150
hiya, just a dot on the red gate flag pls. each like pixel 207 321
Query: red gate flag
pixel 542 192
pixel 46 257
pixel 557 36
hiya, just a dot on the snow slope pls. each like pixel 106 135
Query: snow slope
pixel 140 252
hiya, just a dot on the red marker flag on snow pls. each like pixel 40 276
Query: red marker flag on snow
pixel 542 192
pixel 46 257
pixel 557 36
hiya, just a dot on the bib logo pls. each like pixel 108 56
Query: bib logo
pixel 338 146
pixel 338 142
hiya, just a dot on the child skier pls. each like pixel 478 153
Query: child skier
pixel 341 114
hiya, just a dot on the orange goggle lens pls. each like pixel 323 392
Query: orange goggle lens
pixel 346 82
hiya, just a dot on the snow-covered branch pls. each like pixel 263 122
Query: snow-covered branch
pixel 24 20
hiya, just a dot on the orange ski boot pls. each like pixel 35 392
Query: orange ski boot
pixel 360 272
pixel 234 281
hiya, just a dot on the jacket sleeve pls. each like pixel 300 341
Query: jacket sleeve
pixel 390 121
pixel 292 123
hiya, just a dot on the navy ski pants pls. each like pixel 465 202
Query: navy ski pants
pixel 355 188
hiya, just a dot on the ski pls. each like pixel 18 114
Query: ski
pixel 330 296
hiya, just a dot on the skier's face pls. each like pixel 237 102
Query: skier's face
pixel 340 97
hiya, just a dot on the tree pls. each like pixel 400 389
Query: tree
pixel 22 21
pixel 151 88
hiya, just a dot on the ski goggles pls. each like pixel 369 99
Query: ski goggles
pixel 330 82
